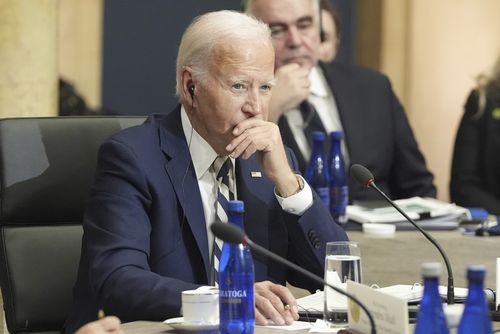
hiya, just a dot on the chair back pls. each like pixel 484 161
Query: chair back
pixel 46 170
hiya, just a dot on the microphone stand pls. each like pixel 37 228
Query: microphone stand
pixel 450 293
pixel 317 279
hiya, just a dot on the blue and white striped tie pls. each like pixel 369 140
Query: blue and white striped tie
pixel 222 166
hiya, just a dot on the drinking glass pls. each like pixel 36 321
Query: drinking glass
pixel 342 263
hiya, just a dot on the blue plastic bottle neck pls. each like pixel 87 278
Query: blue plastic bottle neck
pixel 318 148
pixel 236 218
pixel 431 285
pixel 336 152
pixel 335 147
pixel 476 292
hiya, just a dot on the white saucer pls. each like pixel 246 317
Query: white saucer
pixel 179 324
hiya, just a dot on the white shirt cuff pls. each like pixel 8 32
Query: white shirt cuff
pixel 298 203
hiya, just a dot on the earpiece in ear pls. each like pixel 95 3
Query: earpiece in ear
pixel 191 91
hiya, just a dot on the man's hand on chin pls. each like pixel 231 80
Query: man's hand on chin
pixel 276 303
pixel 292 87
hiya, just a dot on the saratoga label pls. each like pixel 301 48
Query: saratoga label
pixel 233 293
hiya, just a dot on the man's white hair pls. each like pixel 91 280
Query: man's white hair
pixel 210 31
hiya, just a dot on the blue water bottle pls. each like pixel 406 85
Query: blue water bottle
pixel 431 319
pixel 236 279
pixel 476 316
pixel 338 180
pixel 317 175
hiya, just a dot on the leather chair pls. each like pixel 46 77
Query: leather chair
pixel 46 170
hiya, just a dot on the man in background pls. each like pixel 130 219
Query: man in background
pixel 330 32
pixel 146 228
pixel 311 96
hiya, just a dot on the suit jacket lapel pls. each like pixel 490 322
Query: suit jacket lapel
pixel 289 140
pixel 181 172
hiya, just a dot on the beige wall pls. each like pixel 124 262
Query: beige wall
pixel 432 50
pixel 79 42
pixel 28 63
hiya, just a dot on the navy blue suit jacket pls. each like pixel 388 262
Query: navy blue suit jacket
pixel 145 235
pixel 377 134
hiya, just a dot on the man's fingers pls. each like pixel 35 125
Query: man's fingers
pixel 288 300
pixel 105 325
pixel 268 310
pixel 272 300
pixel 259 318
pixel 254 136
pixel 110 323
pixel 284 294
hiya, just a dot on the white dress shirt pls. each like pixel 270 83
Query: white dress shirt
pixel 203 155
pixel 323 101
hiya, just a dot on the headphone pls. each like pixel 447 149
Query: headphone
pixel 191 90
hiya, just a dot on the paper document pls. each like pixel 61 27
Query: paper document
pixel 410 293
pixel 297 325
pixel 417 208
pixel 313 303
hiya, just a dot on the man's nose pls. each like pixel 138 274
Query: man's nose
pixel 253 105
pixel 294 38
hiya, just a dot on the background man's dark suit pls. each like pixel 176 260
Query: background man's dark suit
pixel 377 134
pixel 145 234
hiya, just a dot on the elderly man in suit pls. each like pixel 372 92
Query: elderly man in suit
pixel 146 235
pixel 330 97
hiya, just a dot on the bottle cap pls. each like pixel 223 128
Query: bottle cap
pixel 476 272
pixel 431 269
pixel 338 135
pixel 236 206
pixel 318 135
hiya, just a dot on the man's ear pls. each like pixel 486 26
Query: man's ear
pixel 188 87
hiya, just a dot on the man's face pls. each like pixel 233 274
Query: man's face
pixel 295 28
pixel 328 49
pixel 238 86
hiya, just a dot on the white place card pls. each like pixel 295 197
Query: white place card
pixel 497 302
pixel 390 313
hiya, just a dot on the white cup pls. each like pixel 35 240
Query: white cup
pixel 200 306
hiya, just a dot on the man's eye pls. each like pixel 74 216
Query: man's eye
pixel 238 86
pixel 277 31
pixel 304 25
pixel 265 88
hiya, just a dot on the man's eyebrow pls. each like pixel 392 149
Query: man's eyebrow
pixel 277 25
pixel 237 78
pixel 303 19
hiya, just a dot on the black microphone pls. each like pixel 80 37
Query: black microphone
pixel 234 235
pixel 366 179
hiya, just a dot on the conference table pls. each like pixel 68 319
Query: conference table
pixel 398 260
pixel 151 327
pixel 395 260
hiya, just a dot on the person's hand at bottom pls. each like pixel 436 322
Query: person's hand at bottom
pixel 274 302
pixel 105 325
